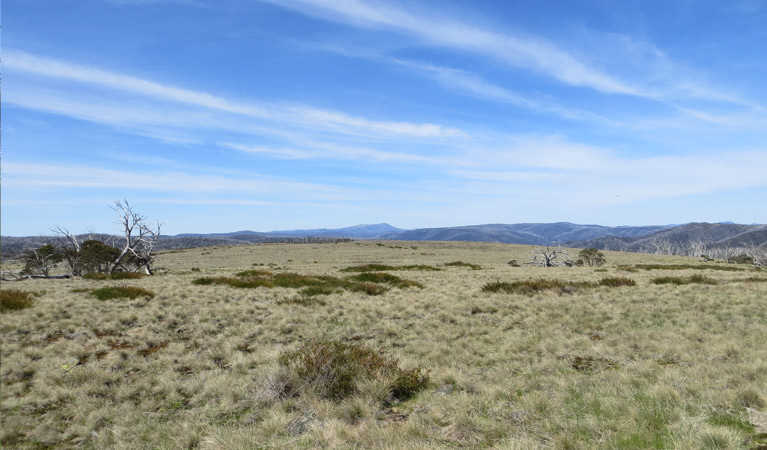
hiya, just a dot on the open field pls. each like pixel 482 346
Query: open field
pixel 580 364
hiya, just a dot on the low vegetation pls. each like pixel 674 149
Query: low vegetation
pixel 464 264
pixel 113 276
pixel 385 267
pixel 693 279
pixel 14 299
pixel 729 268
pixel 302 362
pixel 334 370
pixel 530 287
pixel 111 292
pixel 312 285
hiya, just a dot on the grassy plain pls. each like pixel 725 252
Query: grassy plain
pixel 680 366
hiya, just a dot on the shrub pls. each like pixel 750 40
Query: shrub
pixel 409 382
pixel 617 281
pixel 530 287
pixel 113 276
pixel 311 285
pixel 380 277
pixel 14 300
pixel 464 264
pixel 334 368
pixel 741 259
pixel 384 267
pixel 110 292
pixel 694 279
pixel 592 257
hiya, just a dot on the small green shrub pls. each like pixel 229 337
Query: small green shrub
pixel 464 264
pixel 688 266
pixel 617 281
pixel 409 382
pixel 694 279
pixel 113 276
pixel 368 288
pixel 333 369
pixel 384 267
pixel 592 257
pixel 530 287
pixel 381 277
pixel 110 292
pixel 14 300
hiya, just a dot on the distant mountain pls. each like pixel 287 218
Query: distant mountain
pixel 373 231
pixel 681 238
pixel 523 233
pixel 685 239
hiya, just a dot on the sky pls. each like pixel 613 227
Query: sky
pixel 218 116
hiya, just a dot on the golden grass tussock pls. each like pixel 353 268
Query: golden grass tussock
pixel 297 359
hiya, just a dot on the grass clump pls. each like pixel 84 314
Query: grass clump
pixel 113 276
pixel 110 292
pixel 14 300
pixel 689 266
pixel 679 281
pixel 333 370
pixel 617 281
pixel 387 278
pixel 464 264
pixel 530 287
pixel 385 267
pixel 311 285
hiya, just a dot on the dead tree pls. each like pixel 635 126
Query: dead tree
pixel 140 240
pixel 550 257
pixel 69 246
pixel 40 261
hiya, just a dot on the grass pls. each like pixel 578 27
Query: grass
pixel 113 276
pixel 199 366
pixel 335 369
pixel 14 300
pixel 110 292
pixel 679 281
pixel 386 267
pixel 311 285
pixel 464 264
pixel 530 287
pixel 729 268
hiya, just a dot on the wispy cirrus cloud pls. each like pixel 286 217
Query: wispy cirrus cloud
pixel 527 52
pixel 617 64
pixel 294 115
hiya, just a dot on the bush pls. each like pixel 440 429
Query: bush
pixel 592 257
pixel 14 300
pixel 110 292
pixel 380 277
pixel 741 259
pixel 694 279
pixel 530 287
pixel 334 368
pixel 384 267
pixel 464 264
pixel 311 285
pixel 113 276
pixel 617 281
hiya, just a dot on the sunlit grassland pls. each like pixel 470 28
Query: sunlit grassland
pixel 198 365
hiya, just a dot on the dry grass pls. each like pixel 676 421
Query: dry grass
pixel 642 366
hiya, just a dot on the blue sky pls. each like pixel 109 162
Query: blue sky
pixel 278 114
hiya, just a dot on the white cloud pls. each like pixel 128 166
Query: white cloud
pixel 304 116
pixel 520 51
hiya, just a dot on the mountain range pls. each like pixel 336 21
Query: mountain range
pixel 678 239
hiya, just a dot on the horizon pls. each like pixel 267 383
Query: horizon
pixel 117 232
pixel 274 115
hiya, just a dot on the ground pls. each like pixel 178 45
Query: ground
pixel 199 365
